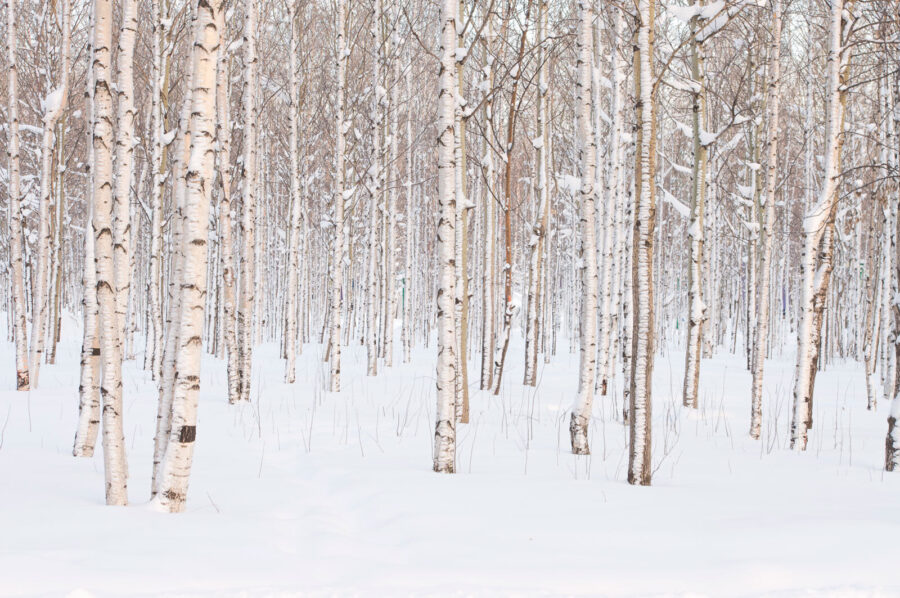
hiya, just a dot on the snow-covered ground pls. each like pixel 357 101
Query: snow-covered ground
pixel 307 493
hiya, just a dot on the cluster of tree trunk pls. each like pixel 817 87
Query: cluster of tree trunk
pixel 234 172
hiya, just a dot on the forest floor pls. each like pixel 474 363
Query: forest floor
pixel 308 493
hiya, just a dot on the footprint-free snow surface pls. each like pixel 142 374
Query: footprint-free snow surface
pixel 302 492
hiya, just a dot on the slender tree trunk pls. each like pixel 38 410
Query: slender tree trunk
pixel 295 203
pixel 115 466
pixel 124 168
pixel 511 306
pixel 226 242
pixel 696 307
pixel 892 440
pixel 488 302
pixel 199 177
pixel 338 243
pixel 639 466
pixel 16 236
pixel 445 427
pixel 54 107
pixel 765 266
pixel 539 229
pixel 818 231
pixel 247 310
pixel 581 411
pixel 158 164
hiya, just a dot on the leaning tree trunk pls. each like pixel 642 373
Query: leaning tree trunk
pixel 581 411
pixel 639 466
pixel 818 230
pixel 195 228
pixel 14 188
pixel 445 426
pixel 765 265
pixel 115 467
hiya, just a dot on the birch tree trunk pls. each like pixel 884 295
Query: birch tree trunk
pixel 16 236
pixel 390 303
pixel 696 307
pixel 587 147
pixel 818 229
pixel 124 168
pixel 338 242
pixel 377 193
pixel 539 229
pixel 892 441
pixel 407 330
pixel 158 159
pixel 226 243
pixel 488 345
pixel 54 106
pixel 296 203
pixel 246 313
pixel 115 467
pixel 89 382
pixel 773 100
pixel 199 177
pixel 445 427
pixel 639 466
pixel 176 277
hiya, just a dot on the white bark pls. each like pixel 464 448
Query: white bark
pixel 223 139
pixel 155 338
pixel 818 231
pixel 16 236
pixel 247 310
pixel 639 466
pixel 445 427
pixel 124 159
pixel 581 410
pixel 54 108
pixel 199 176
pixel 773 100
pixel 296 202
pixel 697 313
pixel 539 229
pixel 338 242
pixel 115 467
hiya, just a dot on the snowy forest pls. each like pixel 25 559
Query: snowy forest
pixel 628 270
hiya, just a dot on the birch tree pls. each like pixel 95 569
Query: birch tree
pixel 296 201
pixel 818 226
pixel 124 160
pixel 54 105
pixel 199 176
pixel 445 427
pixel 639 466
pixel 338 244
pixel 581 411
pixel 246 312
pixel 699 127
pixel 539 229
pixel 773 100
pixel 115 467
pixel 16 236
